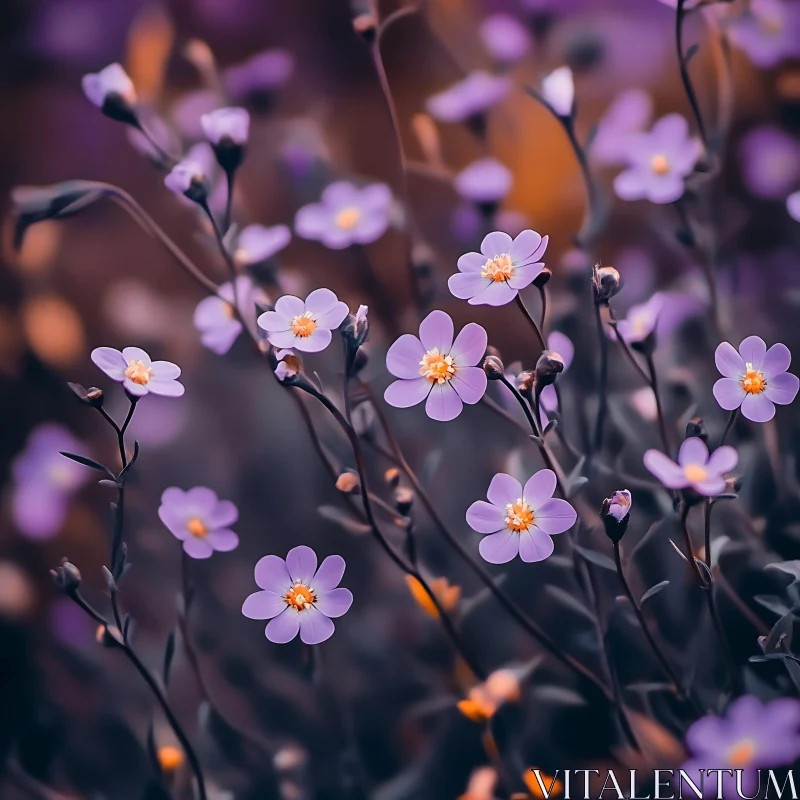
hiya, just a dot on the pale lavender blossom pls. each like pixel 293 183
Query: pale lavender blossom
pixel 111 84
pixel 346 215
pixel 503 267
pixel 629 114
pixel 658 162
pixel 288 365
pixel 520 520
pixel 226 125
pixel 619 504
pixel 770 161
pixel 436 369
pixel 561 346
pixel 755 378
pixel 695 469
pixel 200 520
pixel 304 325
pixel 192 175
pixel 505 38
pixel 260 75
pixel 138 373
pixel 768 32
pixel 298 597
pixel 257 243
pixel 674 3
pixel 214 317
pixel 793 206
pixel 558 89
pixel 484 181
pixel 44 480
pixel 641 320
pixel 470 97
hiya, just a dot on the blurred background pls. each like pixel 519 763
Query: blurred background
pixel 379 718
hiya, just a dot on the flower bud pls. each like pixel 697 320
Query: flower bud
pixel 91 397
pixel 558 89
pixel 493 367
pixel 696 428
pixel 542 279
pixel 355 332
pixel 548 368
pixel 108 636
pixel 607 282
pixel 366 26
pixel 67 577
pixel 616 514
pixel 228 130
pixel 348 483
pixel 112 91
pixel 403 500
pixel 525 381
pixel 392 477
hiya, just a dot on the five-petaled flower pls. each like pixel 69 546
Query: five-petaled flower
pixel 346 215
pixel 297 596
pixel 200 520
pixel 755 378
pixel 695 469
pixel 138 373
pixel 437 369
pixel 504 266
pixel 257 243
pixel 520 520
pixel 304 326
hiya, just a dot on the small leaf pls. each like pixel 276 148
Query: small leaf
pixel 550 427
pixel 108 484
pixel 691 53
pixel 109 579
pixel 576 484
pixel 534 438
pixel 89 462
pixel 653 590
pixel 569 601
pixel 678 550
pixel 773 603
pixel 471 603
pixel 123 475
pixel 559 694
pixel 599 559
pixel 169 654
pixel 344 519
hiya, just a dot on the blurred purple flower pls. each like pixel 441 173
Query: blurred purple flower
pixel 505 38
pixel 629 114
pixel 261 74
pixel 200 520
pixel 484 181
pixel 110 81
pixel 658 162
pixel 503 267
pixel 770 161
pixel 297 596
pixel 466 222
pixel 619 504
pixel 471 96
pixel 768 32
pixel 520 521
pixel 191 176
pixel 214 318
pixel 694 468
pixel 558 89
pixel 435 368
pixel 189 109
pixel 135 370
pixel 755 378
pixel 304 326
pixel 641 320
pixel 257 243
pixel 225 124
pixel 44 481
pixel 562 346
pixel 346 215
pixel 793 206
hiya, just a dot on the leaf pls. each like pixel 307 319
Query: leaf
pixel 471 603
pixel 599 559
pixel 690 54
pixel 560 695
pixel 790 567
pixel 550 427
pixel 576 484
pixel 569 601
pixel 111 584
pixel 653 590
pixel 169 654
pixel 678 550
pixel 89 462
pixel 780 636
pixel 773 603
pixel 123 475
pixel 344 519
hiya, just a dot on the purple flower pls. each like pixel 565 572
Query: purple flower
pixel 694 468
pixel 770 161
pixel 227 124
pixel 346 215
pixel 619 504
pixel 629 114
pixel 520 520
pixel 214 318
pixel 110 83
pixel 641 320
pixel 793 206
pixel 435 368
pixel 471 96
pixel 484 181
pixel 259 75
pixel 495 275
pixel 191 176
pixel 769 33
pixel 257 243
pixel 658 162
pixel 558 89
pixel 288 365
pixel 304 326
pixel 200 520
pixel 755 378
pixel 299 597
pixel 505 38
pixel 44 481
pixel 134 369
pixel 561 346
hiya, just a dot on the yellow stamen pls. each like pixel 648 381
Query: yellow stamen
pixel 752 381
pixel 436 367
pixel 519 516
pixel 303 325
pixel 348 218
pixel 741 754
pixel 196 527
pixel 659 165
pixel 695 473
pixel 138 372
pixel 300 596
pixel 498 269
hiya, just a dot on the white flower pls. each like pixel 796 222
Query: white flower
pixel 97 86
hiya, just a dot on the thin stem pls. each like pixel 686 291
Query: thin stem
pixel 662 427
pixel 230 176
pixel 602 381
pixel 685 77
pixel 731 419
pixel 227 257
pixel 687 543
pixel 167 160
pixel 592 204
pixel 543 316
pixel 531 321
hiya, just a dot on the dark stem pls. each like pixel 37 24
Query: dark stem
pixel 543 316
pixel 166 158
pixel 602 381
pixel 531 321
pixel 592 204
pixel 685 77
pixel 230 176
pixel 662 427
pixel 687 543
pixel 731 419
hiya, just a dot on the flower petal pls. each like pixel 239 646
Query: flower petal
pixel 630 184
pixel 495 293
pixel 284 627
pixel 524 246
pixel 334 603
pixel 469 346
pixel 504 489
pixel 465 285
pixel 284 340
pixel 693 451
pixel 525 275
pixel 165 370
pixel 436 330
pixel 758 407
pixel 777 360
pixel 329 573
pixel 665 469
pixel 711 486
pixel 728 393
pixel 136 354
pixel 443 403
pixel 407 393
pixel 315 627
pixel 320 301
pixel 752 350
pixel 223 514
pixel 273 321
pixel 263 605
pixel 782 388
pixel 223 540
pixel 315 343
pixel 111 361
pixel 135 388
pixel 539 488
pixel 301 561
pixel 470 383
pixel 470 263
pixel 312 221
pixel 404 357
pixel 271 574
pixel 499 548
pixel 723 459
pixel 535 545
pixel 197 548
pixel 561 344
pixel 496 243
pixel 333 317
pixel 484 517
pixel 166 388
pixel 200 501
pixel 555 516
pixel 288 307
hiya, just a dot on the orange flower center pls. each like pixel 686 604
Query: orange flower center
pixel 229 312
pixel 436 367
pixel 752 381
pixel 659 165
pixel 695 473
pixel 300 596
pixel 197 528
pixel 348 218
pixel 499 268
pixel 138 372
pixel 741 754
pixel 303 325
pixel 519 516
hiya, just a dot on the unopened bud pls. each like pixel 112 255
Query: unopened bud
pixel 493 367
pixel 607 282
pixel 67 577
pixel 696 428
pixel 541 280
pixel 91 397
pixel 403 500
pixel 525 381
pixel 392 476
pixel 108 636
pixel 549 366
pixel 365 25
pixel 615 514
pixel 349 483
